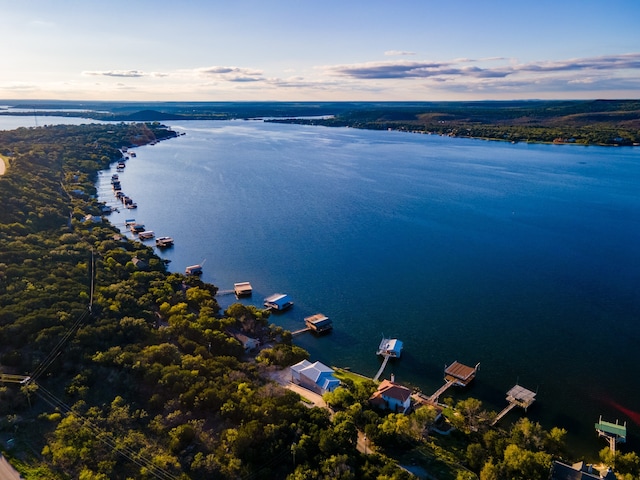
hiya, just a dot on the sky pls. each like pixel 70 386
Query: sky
pixel 329 50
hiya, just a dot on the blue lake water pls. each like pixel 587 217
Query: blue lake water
pixel 524 258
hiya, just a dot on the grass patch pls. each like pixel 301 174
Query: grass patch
pixel 356 378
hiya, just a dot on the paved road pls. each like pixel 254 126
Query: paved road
pixel 7 472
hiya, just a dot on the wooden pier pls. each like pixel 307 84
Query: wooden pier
pixel 518 396
pixel 300 332
pixel 434 398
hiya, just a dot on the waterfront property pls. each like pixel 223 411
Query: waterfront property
pixel 314 376
pixel 242 289
pixel 278 302
pixel 391 396
pixel 318 323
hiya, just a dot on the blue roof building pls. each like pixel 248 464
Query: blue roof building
pixel 314 376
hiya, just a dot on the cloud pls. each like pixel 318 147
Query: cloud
pixel 395 53
pixel 116 73
pixel 228 71
pixel 457 67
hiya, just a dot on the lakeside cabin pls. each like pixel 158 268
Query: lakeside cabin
pixel 242 289
pixel 318 323
pixel 278 302
pixel 193 270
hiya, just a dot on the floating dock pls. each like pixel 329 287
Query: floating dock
pixel 518 396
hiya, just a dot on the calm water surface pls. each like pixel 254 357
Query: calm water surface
pixel 524 258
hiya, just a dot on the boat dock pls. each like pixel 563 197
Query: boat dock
pixel 389 348
pixel 614 432
pixel 318 323
pixel 518 396
pixel 456 374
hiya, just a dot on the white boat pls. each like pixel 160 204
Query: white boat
pixel 146 235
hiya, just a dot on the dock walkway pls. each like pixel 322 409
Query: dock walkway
pixel 504 411
pixel 300 332
pixel 434 398
pixel 382 367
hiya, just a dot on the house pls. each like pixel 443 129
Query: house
pixel 248 343
pixel 314 376
pixel 139 264
pixel 392 396
pixel 578 471
pixel 92 219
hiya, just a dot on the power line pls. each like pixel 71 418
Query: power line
pixel 106 437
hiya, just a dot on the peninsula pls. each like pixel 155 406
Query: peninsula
pixel 582 122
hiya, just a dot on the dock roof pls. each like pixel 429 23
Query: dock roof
pixel 460 371
pixel 521 395
pixel 612 428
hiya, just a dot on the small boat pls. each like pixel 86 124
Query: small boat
pixel 132 205
pixel 132 154
pixel 121 165
pixel 164 242
pixel 193 270
pixel 137 228
pixel 146 235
